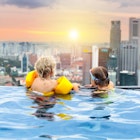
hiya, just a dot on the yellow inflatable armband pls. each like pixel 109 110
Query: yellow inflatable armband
pixel 64 116
pixel 64 86
pixel 48 93
pixel 30 77
pixel 65 96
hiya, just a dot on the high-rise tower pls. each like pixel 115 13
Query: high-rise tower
pixel 115 36
pixel 115 40
pixel 134 29
pixel 134 34
pixel 24 63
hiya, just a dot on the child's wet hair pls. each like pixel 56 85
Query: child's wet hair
pixel 45 66
pixel 101 75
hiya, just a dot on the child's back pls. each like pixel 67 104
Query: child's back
pixel 45 67
pixel 44 85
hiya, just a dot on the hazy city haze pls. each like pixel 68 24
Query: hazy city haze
pixel 52 20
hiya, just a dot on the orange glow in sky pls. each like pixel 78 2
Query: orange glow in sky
pixel 51 20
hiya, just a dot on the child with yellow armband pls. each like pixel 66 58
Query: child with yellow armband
pixel 41 80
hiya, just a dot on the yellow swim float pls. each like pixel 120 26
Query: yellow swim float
pixel 30 77
pixel 64 85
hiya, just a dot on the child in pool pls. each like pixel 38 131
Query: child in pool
pixel 45 67
pixel 100 79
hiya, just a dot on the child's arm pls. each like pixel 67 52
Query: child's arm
pixel 76 86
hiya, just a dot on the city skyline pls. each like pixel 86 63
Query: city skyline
pixel 53 20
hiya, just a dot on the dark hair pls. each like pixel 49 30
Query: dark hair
pixel 101 76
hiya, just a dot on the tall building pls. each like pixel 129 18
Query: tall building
pixel 128 63
pixel 100 55
pixel 115 36
pixel 134 35
pixel 65 59
pixel 134 29
pixel 115 40
pixel 24 63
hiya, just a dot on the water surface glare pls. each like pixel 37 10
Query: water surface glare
pixel 71 117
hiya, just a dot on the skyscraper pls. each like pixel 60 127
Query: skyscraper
pixel 134 34
pixel 115 36
pixel 134 29
pixel 24 63
pixel 115 40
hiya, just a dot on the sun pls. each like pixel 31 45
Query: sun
pixel 73 34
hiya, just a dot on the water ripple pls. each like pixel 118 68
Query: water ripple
pixel 75 118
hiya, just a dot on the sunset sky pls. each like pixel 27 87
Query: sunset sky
pixel 52 20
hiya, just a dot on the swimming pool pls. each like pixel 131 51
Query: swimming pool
pixel 73 117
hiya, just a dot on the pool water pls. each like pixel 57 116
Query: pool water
pixel 72 117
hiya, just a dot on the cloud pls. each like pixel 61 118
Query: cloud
pixel 125 3
pixel 28 3
pixel 130 4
